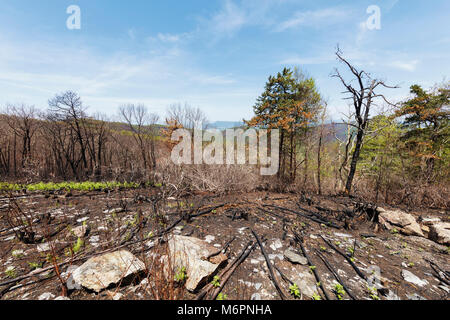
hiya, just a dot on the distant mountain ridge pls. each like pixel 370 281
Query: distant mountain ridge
pixel 222 125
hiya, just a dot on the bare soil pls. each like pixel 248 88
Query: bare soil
pixel 111 217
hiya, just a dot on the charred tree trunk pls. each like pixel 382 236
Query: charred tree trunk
pixel 362 97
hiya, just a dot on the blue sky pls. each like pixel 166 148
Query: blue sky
pixel 216 55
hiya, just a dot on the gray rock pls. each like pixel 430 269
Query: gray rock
pixel 295 258
pixel 190 253
pixel 46 296
pixel 342 235
pixel 400 220
pixel 100 272
pixel 306 282
pixel 430 220
pixel 415 297
pixel 445 288
pixel 392 296
pixel 276 244
pixel 361 244
pixel 275 256
pixel 440 233
pixel 412 278
pixel 70 282
pixel 256 296
pixel 117 296
pixel 61 298
pixel 427 243
pixel 80 231
pixel 43 247
pixel 94 241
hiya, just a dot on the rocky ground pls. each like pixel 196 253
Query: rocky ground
pixel 139 244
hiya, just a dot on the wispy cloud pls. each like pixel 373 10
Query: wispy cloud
pixel 105 81
pixel 170 37
pixel 234 15
pixel 298 60
pixel 405 65
pixel 315 18
pixel 132 33
pixel 229 19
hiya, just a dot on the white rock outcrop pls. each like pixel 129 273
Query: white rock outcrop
pixel 440 233
pixel 100 272
pixel 190 253
pixel 400 220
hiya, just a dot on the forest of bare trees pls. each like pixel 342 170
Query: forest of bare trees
pixel 398 156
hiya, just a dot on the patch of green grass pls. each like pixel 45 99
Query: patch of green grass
pixel 35 265
pixel 78 246
pixel 11 272
pixel 295 291
pixel 351 251
pixel 216 282
pixel 67 186
pixel 181 275
pixel 339 291
pixel 222 297
pixel 17 254
pixel 316 297
pixel 373 293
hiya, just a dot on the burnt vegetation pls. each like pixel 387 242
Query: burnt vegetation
pixel 76 186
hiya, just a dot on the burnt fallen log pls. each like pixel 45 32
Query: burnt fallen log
pixel 273 214
pixel 227 276
pixel 335 274
pixel 313 218
pixel 439 273
pixel 311 265
pixel 209 286
pixel 349 260
pixel 206 211
pixel 223 250
pixel 283 276
pixel 269 266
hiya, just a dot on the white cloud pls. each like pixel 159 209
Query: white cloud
pixel 314 18
pixel 132 33
pixel 167 37
pixel 234 15
pixel 362 32
pixel 405 65
pixel 308 60
pixel 33 72
pixel 230 18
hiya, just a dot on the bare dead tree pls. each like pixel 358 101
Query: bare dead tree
pixel 97 134
pixel 68 107
pixel 189 117
pixel 363 96
pixel 143 125
pixel 62 142
pixel 21 120
pixel 321 135
pixel 344 149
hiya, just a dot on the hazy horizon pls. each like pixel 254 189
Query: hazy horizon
pixel 215 55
